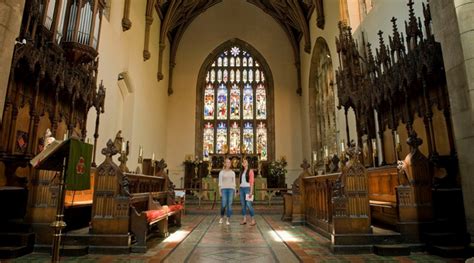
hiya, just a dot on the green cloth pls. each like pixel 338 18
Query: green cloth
pixel 79 166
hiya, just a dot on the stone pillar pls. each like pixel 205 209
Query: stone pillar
pixel 453 26
pixel 11 13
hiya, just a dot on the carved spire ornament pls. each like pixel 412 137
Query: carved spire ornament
pixel 402 74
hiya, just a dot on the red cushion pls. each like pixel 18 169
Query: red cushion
pixel 174 208
pixel 152 215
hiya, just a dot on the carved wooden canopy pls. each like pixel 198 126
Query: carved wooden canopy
pixel 177 15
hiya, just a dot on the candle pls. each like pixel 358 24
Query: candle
pixel 315 156
pixel 124 147
pixel 326 151
pixel 397 138
pixel 65 136
pixel 140 151
pixel 153 157
pixel 343 147
pixel 374 145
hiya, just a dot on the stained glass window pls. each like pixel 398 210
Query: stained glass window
pixel 235 113
pixel 221 141
pixel 222 102
pixel 232 75
pixel 248 138
pixel 208 140
pixel 234 139
pixel 261 102
pixel 235 103
pixel 219 75
pixel 209 102
pixel 262 140
pixel 226 76
pixel 248 102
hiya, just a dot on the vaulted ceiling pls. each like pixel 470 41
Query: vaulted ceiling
pixel 176 15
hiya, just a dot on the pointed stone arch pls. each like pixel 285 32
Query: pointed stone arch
pixel 322 109
pixel 201 83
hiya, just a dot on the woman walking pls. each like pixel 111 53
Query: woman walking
pixel 227 190
pixel 246 192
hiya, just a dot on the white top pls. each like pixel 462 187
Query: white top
pixel 243 180
pixel 226 179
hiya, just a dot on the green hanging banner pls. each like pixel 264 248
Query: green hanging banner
pixel 79 166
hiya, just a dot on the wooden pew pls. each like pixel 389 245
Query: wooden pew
pixel 142 222
pixel 121 204
pixel 382 194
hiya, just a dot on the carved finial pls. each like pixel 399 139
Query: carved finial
pixel 427 20
pixel 382 54
pixel 100 98
pixel 353 151
pixel 110 150
pixel 396 44
pixel 414 141
pixel 411 28
pixel 305 165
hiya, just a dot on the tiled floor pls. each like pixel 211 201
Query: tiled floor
pixel 203 239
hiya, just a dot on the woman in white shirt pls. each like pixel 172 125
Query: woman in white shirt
pixel 226 190
pixel 246 192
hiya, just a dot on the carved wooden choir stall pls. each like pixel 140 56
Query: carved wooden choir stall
pixel 52 86
pixel 128 204
pixel 403 84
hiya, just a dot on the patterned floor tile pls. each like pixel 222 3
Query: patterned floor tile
pixel 202 239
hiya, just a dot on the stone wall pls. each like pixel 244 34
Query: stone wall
pixel 453 26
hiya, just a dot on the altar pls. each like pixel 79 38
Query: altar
pixel 201 177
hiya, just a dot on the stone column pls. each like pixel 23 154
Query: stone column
pixel 453 26
pixel 11 13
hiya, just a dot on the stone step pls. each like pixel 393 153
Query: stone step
pixel 445 238
pixel 448 251
pixel 73 251
pixel 14 251
pixel 17 239
pixel 391 250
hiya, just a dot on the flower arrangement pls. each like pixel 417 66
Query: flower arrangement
pixel 277 170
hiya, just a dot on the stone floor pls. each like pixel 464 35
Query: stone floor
pixel 203 239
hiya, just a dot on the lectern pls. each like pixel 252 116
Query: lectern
pixel 72 159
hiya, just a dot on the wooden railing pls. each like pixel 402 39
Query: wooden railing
pixel 139 183
pixel 318 194
pixel 338 203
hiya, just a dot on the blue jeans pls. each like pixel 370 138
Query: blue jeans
pixel 227 198
pixel 246 204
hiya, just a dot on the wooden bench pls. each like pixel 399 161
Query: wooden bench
pixel 382 194
pixel 144 222
pixel 125 207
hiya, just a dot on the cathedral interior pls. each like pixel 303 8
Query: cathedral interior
pixel 355 119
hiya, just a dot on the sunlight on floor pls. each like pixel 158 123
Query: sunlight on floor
pixel 176 236
pixel 283 236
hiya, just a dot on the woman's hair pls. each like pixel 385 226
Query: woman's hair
pixel 242 169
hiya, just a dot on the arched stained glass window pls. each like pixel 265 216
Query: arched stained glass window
pixel 235 104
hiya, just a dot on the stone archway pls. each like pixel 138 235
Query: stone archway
pixel 322 112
